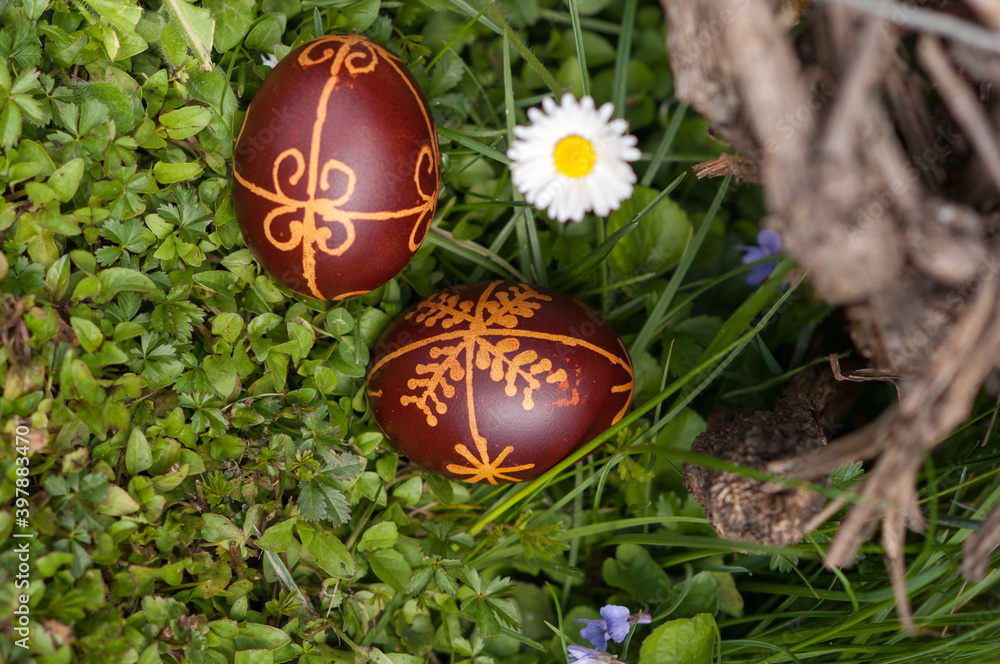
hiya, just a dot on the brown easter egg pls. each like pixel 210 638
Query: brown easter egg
pixel 497 381
pixel 336 168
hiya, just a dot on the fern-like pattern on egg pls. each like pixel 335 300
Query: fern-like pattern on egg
pixel 484 335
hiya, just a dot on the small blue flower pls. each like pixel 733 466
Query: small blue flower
pixel 581 655
pixel 615 625
pixel 768 244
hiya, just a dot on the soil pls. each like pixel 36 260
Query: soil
pixel 749 509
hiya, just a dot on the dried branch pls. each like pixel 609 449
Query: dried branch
pixel 741 168
pixel 920 19
pixel 862 190
pixel 854 100
pixel 977 547
pixel 773 90
pixel 988 10
pixel 963 104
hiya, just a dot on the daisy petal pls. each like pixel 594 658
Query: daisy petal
pixel 565 190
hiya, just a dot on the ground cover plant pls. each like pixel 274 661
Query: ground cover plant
pixel 191 469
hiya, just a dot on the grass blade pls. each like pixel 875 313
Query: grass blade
pixel 475 253
pixel 527 234
pixel 623 54
pixel 573 273
pixel 467 9
pixel 664 147
pixel 581 56
pixel 521 493
pixel 474 145
pixel 657 316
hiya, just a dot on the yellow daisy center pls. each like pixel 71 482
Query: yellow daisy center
pixel 574 156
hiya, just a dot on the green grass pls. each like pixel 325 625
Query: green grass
pixel 205 481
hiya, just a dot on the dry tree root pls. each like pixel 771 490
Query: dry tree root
pixel 891 203
pixel 977 548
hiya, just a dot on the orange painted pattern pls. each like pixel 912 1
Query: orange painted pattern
pixel 476 347
pixel 355 56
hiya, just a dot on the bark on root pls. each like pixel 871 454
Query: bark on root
pixel 888 198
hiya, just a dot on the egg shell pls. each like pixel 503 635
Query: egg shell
pixel 336 168
pixel 497 381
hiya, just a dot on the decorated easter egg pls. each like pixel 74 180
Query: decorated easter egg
pixel 336 168
pixel 497 381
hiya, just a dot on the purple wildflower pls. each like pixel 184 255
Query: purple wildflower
pixel 615 624
pixel 768 244
pixel 581 655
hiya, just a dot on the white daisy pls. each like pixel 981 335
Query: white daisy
pixel 573 158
